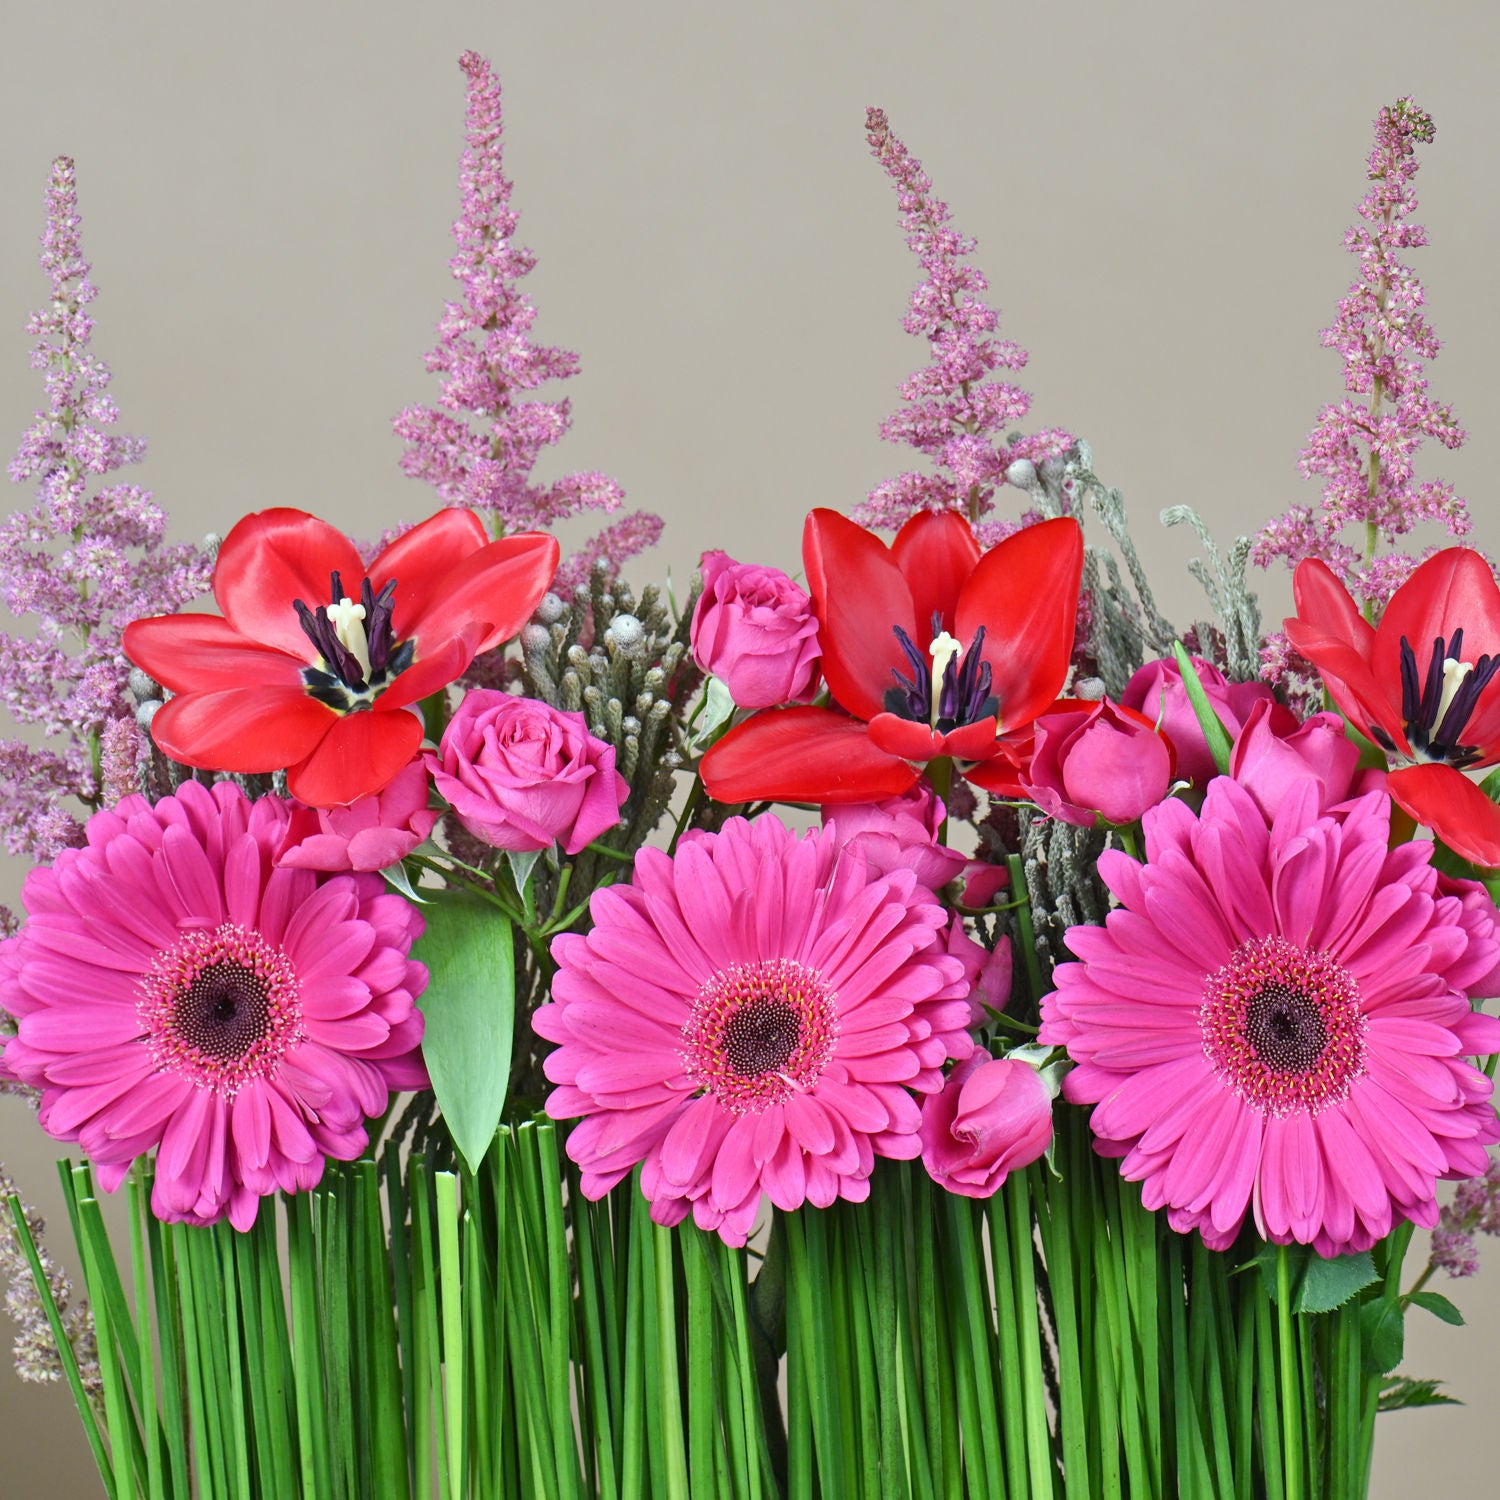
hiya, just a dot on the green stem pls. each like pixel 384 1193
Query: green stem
pixel 1289 1399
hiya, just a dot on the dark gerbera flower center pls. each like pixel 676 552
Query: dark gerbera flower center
pixel 221 1007
pixel 1282 1026
pixel 760 1032
pixel 1436 707
pixel 357 647
pixel 952 688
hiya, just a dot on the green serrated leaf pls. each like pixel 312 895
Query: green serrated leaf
pixel 1265 1259
pixel 469 1005
pixel 1214 732
pixel 1401 1392
pixel 1439 1306
pixel 1327 1284
pixel 1382 1327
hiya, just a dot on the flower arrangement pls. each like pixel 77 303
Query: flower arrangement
pixel 509 1101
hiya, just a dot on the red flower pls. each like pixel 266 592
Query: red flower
pixel 286 681
pixel 1421 685
pixel 930 648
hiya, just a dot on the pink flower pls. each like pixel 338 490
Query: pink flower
pixel 370 834
pixel 1156 690
pixel 992 1117
pixel 899 832
pixel 1274 1022
pixel 982 883
pixel 523 775
pixel 755 629
pixel 1273 753
pixel 174 991
pixel 750 1019
pixel 1092 760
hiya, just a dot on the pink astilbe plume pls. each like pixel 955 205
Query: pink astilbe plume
pixel 1363 448
pixel 953 412
pixel 81 565
pixel 487 360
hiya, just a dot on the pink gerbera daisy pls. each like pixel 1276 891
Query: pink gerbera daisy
pixel 752 1016
pixel 176 991
pixel 1275 1022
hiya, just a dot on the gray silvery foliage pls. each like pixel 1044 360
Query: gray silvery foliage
pixel 1127 627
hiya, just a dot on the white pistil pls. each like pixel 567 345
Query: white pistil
pixel 1454 673
pixel 943 650
pixel 348 621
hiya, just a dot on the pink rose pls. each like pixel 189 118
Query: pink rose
pixel 756 631
pixel 1478 975
pixel 1156 690
pixel 1274 752
pixel 1091 759
pixel 522 775
pixel 991 1117
pixel 898 833
pixel 371 833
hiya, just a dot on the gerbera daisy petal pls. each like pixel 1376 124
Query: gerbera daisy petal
pixel 195 1037
pixel 1304 1054
pixel 805 999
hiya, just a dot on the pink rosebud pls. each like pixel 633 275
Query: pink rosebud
pixel 1156 690
pixel 898 833
pixel 522 775
pixel 982 883
pixel 371 833
pixel 756 631
pixel 1091 759
pixel 1478 972
pixel 991 1117
pixel 1274 752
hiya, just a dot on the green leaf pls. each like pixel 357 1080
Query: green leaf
pixel 1382 1327
pixel 399 878
pixel 1395 1394
pixel 470 1007
pixel 1327 1284
pixel 1214 732
pixel 1439 1306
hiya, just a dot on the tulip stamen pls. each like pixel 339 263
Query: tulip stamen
pixel 1437 708
pixel 357 649
pixel 950 690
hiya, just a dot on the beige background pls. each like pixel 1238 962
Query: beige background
pixel 1159 191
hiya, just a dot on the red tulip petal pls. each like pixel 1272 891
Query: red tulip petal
pixel 1000 775
pixel 1324 604
pixel 802 754
pixel 246 729
pixel 497 587
pixel 1454 589
pixel 272 557
pixel 429 673
pixel 197 653
pixel 1447 802
pixel 358 756
pixel 905 737
pixel 1362 697
pixel 936 551
pixel 1024 591
pixel 859 596
pixel 420 560
pixel 974 741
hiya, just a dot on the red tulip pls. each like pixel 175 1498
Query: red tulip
pixel 1421 685
pixel 285 681
pixel 930 648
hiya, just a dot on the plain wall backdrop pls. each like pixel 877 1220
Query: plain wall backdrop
pixel 1159 192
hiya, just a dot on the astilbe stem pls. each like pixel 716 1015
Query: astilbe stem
pixel 953 412
pixel 80 564
pixel 487 360
pixel 1364 451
